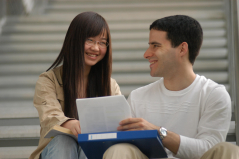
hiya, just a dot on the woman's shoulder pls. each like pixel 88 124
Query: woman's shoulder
pixel 115 89
pixel 52 75
pixel 112 80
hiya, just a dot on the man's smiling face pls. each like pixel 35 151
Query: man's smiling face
pixel 161 55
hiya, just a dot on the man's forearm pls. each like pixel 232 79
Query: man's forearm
pixel 172 141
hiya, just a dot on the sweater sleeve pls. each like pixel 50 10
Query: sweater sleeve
pixel 132 110
pixel 212 128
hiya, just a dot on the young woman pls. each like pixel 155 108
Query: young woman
pixel 81 70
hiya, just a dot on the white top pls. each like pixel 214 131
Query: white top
pixel 200 114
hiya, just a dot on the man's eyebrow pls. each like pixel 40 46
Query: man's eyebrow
pixel 154 43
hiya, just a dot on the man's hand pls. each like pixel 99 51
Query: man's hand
pixel 73 125
pixel 171 142
pixel 132 124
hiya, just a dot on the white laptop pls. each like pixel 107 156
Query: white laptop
pixel 102 114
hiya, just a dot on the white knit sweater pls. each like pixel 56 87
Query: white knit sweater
pixel 200 114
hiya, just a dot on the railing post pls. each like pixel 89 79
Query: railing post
pixel 236 63
pixel 3 13
pixel 232 15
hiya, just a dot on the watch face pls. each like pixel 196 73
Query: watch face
pixel 163 131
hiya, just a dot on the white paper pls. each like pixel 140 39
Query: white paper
pixel 102 114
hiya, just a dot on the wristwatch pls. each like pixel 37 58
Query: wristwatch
pixel 162 132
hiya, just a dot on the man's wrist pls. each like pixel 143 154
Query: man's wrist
pixel 162 132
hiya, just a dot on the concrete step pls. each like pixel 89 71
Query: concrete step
pixel 11 94
pixel 16 94
pixel 32 71
pixel 113 24
pixel 117 45
pixel 73 9
pixel 23 68
pixel 202 65
pixel 151 5
pixel 45 57
pixel 145 78
pixel 61 2
pixel 206 18
pixel 57 2
pixel 33 131
pixel 15 81
pixel 122 66
pixel 150 15
pixel 27 131
pixel 122 35
pixel 15 113
pixel 16 152
pixel 24 152
pixel 115 29
pixel 26 93
pixel 17 109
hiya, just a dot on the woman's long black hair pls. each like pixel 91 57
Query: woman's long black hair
pixel 83 26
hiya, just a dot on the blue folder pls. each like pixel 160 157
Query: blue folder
pixel 148 141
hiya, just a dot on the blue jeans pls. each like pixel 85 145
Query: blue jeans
pixel 63 147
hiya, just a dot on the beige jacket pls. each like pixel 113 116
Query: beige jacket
pixel 49 102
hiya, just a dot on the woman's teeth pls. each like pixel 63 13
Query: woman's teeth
pixel 91 55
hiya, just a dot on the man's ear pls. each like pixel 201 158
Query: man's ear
pixel 183 49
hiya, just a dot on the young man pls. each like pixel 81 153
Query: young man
pixel 190 112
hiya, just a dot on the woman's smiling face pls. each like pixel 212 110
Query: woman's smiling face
pixel 94 52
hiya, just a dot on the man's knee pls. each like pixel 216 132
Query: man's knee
pixel 222 150
pixel 225 146
pixel 123 147
pixel 124 150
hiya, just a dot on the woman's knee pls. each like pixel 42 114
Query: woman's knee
pixel 64 140
pixel 61 146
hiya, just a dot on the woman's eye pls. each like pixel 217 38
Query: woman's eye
pixel 89 40
pixel 102 43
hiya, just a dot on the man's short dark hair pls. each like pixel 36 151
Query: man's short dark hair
pixel 181 28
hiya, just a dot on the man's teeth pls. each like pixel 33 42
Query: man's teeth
pixel 152 62
pixel 91 55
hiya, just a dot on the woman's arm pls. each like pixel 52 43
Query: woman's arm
pixel 47 97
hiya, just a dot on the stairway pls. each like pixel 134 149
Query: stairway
pixel 29 44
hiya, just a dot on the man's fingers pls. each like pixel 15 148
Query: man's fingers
pixel 130 121
pixel 136 126
pixel 134 129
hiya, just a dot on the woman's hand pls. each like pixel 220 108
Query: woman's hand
pixel 73 125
